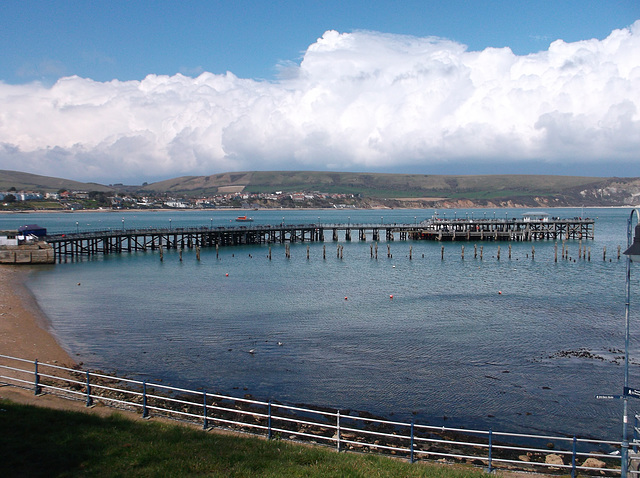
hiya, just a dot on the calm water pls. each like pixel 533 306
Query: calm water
pixel 447 345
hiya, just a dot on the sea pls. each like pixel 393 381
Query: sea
pixel 518 344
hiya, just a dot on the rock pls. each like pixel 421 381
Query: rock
pixel 594 463
pixel 524 458
pixel 553 459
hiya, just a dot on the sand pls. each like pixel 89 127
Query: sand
pixel 25 331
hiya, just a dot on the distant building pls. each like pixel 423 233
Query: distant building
pixel 535 217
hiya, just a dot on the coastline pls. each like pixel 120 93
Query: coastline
pixel 25 331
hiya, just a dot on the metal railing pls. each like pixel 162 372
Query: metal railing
pixel 343 431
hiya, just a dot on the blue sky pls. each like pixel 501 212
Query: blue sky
pixel 127 40
pixel 147 90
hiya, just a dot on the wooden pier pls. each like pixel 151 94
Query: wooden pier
pixel 129 240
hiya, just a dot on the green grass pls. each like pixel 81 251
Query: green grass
pixel 42 442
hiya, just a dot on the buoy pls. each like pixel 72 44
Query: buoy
pixel 78 283
pixel 391 296
pixel 227 274
pixel 499 292
pixel 346 298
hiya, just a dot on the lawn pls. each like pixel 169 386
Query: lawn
pixel 42 442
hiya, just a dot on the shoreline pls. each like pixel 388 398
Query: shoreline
pixel 25 331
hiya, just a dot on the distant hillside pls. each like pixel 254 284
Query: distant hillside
pixel 444 191
pixel 374 189
pixel 373 184
pixel 35 182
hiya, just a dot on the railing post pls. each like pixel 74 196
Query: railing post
pixel 145 412
pixel 573 459
pixel 489 469
pixel 89 399
pixel 205 423
pixel 269 422
pixel 411 457
pixel 338 432
pixel 36 388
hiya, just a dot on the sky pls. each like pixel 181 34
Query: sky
pixel 129 92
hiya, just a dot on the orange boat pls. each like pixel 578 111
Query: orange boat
pixel 244 219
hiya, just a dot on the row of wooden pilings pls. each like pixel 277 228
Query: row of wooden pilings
pixel 584 253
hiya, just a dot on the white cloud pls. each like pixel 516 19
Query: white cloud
pixel 357 101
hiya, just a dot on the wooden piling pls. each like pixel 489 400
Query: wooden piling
pixel 198 253
pixel 462 253
pixel 589 254
pixel 307 252
pixel 371 250
pixel 498 252
pixel 475 251
pixel 533 252
pixel 509 251
pixel 324 251
pixel 376 250
pixel 555 252
pixel 441 252
pixel 481 251
pixel 388 250
pixel 411 252
pixel 180 254
pixel 216 251
pixel 604 253
pixel 269 252
pixel 618 251
pixel 161 254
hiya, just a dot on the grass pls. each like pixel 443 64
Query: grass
pixel 42 442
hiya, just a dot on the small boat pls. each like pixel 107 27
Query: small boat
pixel 244 219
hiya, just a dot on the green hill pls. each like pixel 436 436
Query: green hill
pixel 34 182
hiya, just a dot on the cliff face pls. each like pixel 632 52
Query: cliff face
pixel 38 253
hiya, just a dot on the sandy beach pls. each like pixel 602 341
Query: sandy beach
pixel 24 329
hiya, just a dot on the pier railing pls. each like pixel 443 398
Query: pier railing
pixel 342 430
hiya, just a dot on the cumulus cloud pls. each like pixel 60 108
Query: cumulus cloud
pixel 357 101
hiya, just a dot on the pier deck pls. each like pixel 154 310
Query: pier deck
pixel 129 240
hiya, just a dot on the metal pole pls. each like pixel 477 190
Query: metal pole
pixel 338 431
pixel 269 422
pixel 89 399
pixel 624 454
pixel 411 459
pixel 490 449
pixel 36 387
pixel 205 424
pixel 145 412
pixel 573 459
